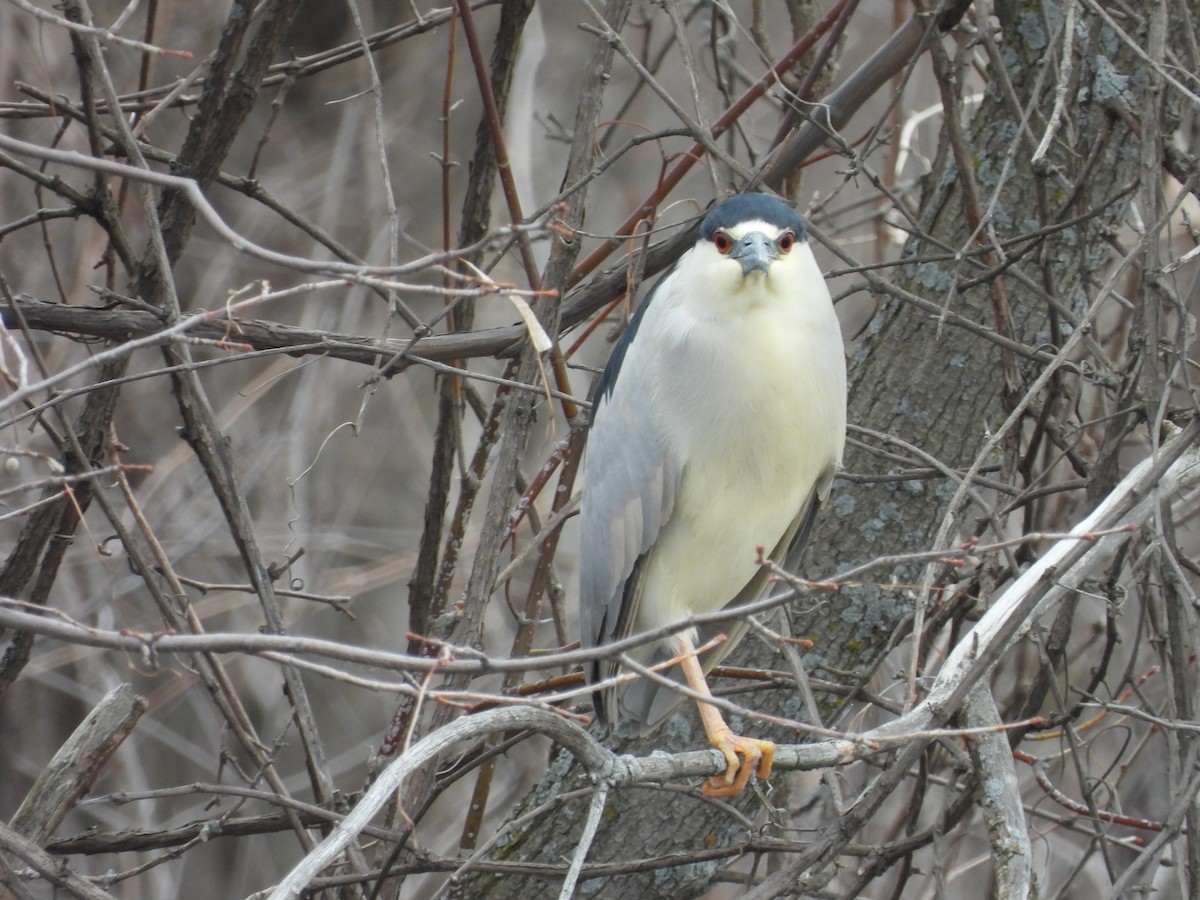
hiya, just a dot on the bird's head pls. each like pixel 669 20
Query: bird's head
pixel 750 239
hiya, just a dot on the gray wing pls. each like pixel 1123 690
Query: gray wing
pixel 629 484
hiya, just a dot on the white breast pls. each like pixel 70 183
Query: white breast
pixel 768 372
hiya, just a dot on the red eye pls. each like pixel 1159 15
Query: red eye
pixel 785 242
pixel 723 242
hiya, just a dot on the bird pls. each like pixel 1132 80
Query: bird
pixel 715 431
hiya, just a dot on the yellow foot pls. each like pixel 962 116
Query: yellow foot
pixel 745 755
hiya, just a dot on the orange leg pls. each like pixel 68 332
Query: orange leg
pixel 743 754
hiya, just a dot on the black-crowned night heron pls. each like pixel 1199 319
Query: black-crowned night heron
pixel 716 429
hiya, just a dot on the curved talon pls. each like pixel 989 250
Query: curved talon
pixel 744 755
